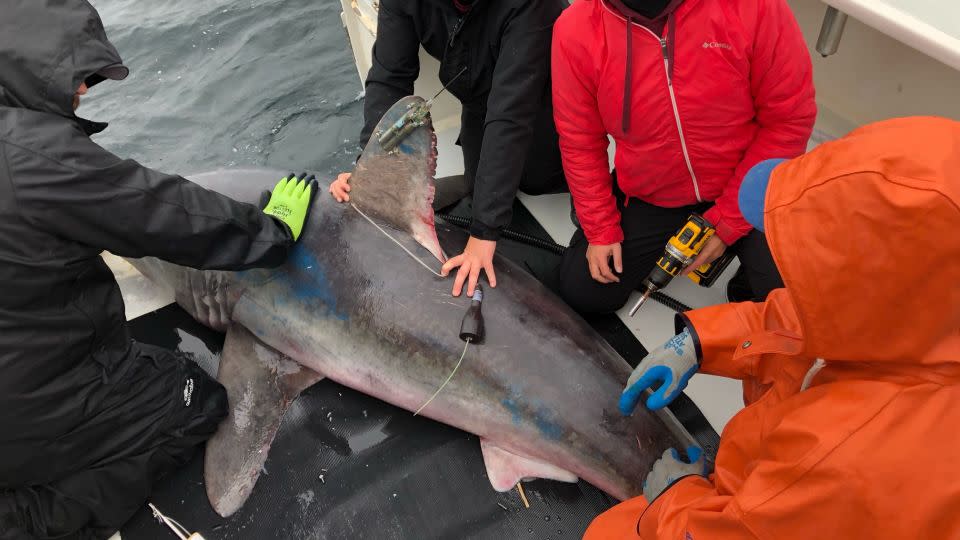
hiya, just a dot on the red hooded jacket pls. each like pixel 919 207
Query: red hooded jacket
pixel 727 85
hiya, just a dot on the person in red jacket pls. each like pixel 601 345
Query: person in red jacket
pixel 851 372
pixel 694 93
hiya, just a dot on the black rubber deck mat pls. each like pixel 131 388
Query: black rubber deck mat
pixel 345 465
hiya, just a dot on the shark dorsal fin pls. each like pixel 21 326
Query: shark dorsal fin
pixel 397 187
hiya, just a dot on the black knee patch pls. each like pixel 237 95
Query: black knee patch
pixel 586 299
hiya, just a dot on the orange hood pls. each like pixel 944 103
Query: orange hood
pixel 866 233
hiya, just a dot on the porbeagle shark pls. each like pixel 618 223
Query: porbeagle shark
pixel 360 301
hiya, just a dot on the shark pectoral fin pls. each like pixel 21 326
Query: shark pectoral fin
pixel 505 469
pixel 261 384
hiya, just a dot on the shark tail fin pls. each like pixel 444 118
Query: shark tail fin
pixel 261 384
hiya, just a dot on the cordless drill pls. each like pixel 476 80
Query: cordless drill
pixel 681 250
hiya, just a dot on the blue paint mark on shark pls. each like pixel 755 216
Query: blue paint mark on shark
pixel 407 149
pixel 514 409
pixel 546 421
pixel 309 282
pixel 544 418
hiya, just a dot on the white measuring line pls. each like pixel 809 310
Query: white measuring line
pixel 434 272
pixel 455 368
pixel 397 242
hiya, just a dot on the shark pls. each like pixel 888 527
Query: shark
pixel 360 301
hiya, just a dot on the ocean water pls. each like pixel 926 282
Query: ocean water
pixel 230 83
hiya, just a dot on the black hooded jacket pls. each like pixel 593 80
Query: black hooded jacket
pixel 64 199
pixel 503 49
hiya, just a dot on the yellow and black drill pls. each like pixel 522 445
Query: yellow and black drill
pixel 681 250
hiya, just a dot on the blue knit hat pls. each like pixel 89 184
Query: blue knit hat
pixel 753 191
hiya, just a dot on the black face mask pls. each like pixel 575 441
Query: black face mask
pixel 648 8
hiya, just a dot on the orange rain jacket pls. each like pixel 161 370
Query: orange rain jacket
pixel 866 234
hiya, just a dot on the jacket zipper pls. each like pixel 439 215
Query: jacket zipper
pixel 673 97
pixel 457 27
pixel 676 111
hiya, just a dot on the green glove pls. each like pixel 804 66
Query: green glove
pixel 290 201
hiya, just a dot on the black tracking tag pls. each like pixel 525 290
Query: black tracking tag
pixel 471 328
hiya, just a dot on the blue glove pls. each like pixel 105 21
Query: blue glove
pixel 671 365
pixel 670 468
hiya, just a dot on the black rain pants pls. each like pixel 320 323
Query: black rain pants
pixel 159 411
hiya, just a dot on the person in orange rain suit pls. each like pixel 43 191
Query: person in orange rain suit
pixel 851 373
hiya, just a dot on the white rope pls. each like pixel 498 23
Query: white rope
pixel 178 529
pixel 434 272
pixel 455 368
pixel 818 364
pixel 397 242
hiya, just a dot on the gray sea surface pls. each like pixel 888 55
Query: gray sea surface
pixel 230 83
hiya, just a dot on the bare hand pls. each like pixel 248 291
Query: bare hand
pixel 340 187
pixel 713 249
pixel 598 260
pixel 478 255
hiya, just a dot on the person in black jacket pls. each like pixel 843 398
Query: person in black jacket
pixel 495 57
pixel 89 418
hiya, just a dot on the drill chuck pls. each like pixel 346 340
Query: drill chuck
pixel 659 278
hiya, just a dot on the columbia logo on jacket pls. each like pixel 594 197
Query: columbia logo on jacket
pixel 716 45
